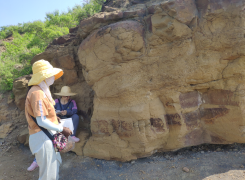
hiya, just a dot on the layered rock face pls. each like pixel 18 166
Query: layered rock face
pixel 171 77
pixel 156 76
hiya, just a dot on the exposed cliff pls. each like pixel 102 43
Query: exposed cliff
pixel 156 76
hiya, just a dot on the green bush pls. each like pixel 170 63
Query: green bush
pixel 33 37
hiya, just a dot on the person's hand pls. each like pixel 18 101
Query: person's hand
pixel 58 118
pixel 64 112
pixel 66 131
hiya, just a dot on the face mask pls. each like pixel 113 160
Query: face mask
pixel 50 80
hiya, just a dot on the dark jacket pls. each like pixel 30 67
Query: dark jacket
pixel 70 107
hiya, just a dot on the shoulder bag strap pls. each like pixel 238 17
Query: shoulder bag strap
pixel 44 130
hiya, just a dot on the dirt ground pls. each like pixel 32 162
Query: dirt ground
pixel 207 162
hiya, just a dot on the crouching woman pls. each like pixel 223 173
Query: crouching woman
pixel 67 108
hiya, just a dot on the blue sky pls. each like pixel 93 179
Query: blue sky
pixel 13 12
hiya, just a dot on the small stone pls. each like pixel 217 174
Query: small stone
pixel 218 149
pixel 185 169
pixel 241 166
pixel 235 149
pixel 202 152
pixel 132 162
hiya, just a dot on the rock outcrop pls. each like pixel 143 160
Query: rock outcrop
pixel 10 116
pixel 156 76
pixel 20 88
pixel 171 78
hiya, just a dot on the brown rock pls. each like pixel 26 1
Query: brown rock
pixel 61 40
pixel 23 137
pixel 73 30
pixel 109 9
pixel 3 117
pixel 10 99
pixel 67 62
pixel 185 169
pixel 5 129
pixel 46 55
pixel 70 77
pixel 164 85
pixel 20 87
pixel 83 136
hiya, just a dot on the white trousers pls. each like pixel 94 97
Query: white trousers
pixel 48 161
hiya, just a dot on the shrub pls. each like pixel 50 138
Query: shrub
pixel 33 37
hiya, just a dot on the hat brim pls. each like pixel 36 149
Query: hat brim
pixel 65 94
pixel 39 77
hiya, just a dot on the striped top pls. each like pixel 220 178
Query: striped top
pixel 37 104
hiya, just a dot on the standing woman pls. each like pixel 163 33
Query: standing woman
pixel 40 105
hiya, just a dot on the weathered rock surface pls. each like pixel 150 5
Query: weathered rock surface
pixel 156 76
pixel 5 129
pixel 20 88
pixel 23 137
pixel 10 116
pixel 173 81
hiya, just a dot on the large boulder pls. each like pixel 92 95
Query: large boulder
pixel 171 78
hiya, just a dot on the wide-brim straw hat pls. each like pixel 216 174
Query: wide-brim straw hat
pixel 65 91
pixel 42 70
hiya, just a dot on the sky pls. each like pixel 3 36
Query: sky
pixel 13 12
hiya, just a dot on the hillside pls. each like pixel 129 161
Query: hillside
pixel 29 39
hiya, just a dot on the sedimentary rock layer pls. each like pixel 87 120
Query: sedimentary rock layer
pixel 170 78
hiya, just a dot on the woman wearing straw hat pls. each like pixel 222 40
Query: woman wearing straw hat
pixel 40 105
pixel 67 108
